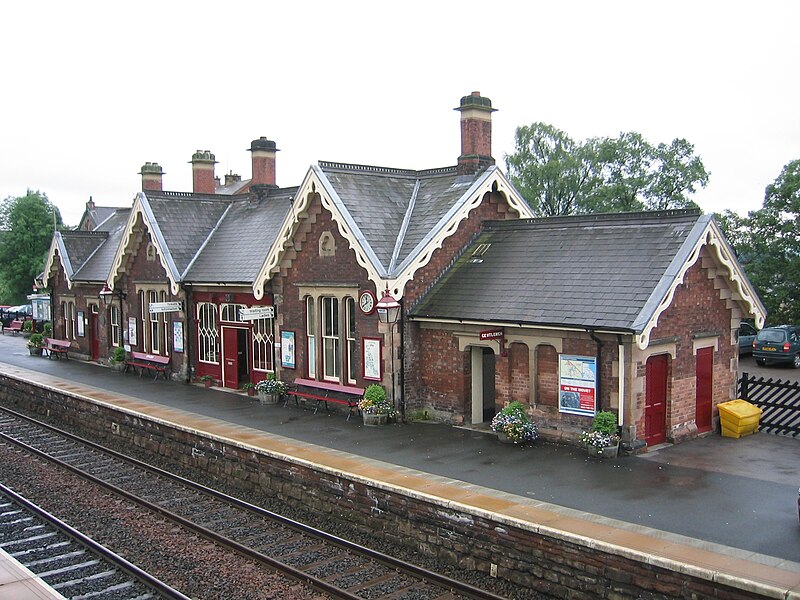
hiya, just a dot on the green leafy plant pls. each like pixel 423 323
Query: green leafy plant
pixel 118 354
pixel 271 385
pixel 47 329
pixel 248 386
pixel 605 422
pixel 27 326
pixel 205 378
pixel 603 432
pixel 36 341
pixel 375 402
pixel 514 422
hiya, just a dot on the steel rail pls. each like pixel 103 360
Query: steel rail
pixel 105 553
pixel 443 581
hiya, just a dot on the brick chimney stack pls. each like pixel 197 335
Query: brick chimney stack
pixel 203 181
pixel 151 177
pixel 476 134
pixel 263 157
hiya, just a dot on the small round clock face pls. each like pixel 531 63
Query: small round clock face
pixel 366 301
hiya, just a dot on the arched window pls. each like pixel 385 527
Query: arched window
pixel 207 334
pixel 263 344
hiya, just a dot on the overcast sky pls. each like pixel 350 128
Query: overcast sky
pixel 93 90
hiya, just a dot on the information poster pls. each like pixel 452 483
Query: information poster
pixel 287 349
pixel 132 331
pixel 577 384
pixel 372 358
pixel 177 336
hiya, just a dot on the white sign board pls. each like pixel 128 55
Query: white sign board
pixel 165 307
pixel 254 314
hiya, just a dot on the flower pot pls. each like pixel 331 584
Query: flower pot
pixel 119 367
pixel 374 419
pixel 208 383
pixel 265 398
pixel 35 351
pixel 503 438
pixel 603 451
pixel 251 392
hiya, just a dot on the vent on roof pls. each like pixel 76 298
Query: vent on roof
pixel 477 254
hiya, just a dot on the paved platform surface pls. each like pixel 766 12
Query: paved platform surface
pixel 714 503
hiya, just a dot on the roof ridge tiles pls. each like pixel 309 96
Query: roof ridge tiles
pixel 339 166
pixel 599 218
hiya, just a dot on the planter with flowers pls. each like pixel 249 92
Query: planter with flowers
pixel 270 390
pixel 207 380
pixel 602 440
pixel 36 344
pixel 513 426
pixel 249 388
pixel 375 407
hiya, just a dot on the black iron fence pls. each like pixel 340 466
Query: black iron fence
pixel 778 400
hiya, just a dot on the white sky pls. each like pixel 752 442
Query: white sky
pixel 93 90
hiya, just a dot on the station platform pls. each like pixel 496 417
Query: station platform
pixel 678 503
pixel 18 583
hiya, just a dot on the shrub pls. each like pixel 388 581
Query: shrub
pixel 603 432
pixel 514 422
pixel 118 354
pixel 36 340
pixel 48 329
pixel 27 325
pixel 375 402
pixel 605 422
pixel 270 385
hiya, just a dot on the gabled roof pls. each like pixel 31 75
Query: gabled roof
pixel 92 218
pixel 612 272
pixel 393 218
pixel 237 247
pixel 86 255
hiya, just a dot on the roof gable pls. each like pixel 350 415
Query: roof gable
pixel 614 272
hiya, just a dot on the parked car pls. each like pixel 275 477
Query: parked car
pixel 747 335
pixel 22 311
pixel 780 344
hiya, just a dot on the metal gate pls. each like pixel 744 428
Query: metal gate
pixel 778 400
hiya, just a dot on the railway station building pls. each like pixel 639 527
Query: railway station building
pixel 634 313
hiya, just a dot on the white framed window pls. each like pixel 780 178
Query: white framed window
pixel 311 338
pixel 155 324
pixel 143 319
pixel 230 312
pixel 207 333
pixel 263 344
pixel 352 346
pixel 331 357
pixel 115 329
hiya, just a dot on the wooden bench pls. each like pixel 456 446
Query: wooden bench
pixel 56 347
pixel 324 392
pixel 15 327
pixel 152 362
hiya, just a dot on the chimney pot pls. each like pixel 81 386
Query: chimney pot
pixel 151 176
pixel 476 134
pixel 263 156
pixel 203 179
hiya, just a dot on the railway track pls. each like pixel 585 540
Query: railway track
pixel 338 568
pixel 69 562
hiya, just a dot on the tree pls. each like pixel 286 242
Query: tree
pixel 27 225
pixel 551 171
pixel 559 176
pixel 767 242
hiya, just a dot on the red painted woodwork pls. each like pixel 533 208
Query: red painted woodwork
pixel 704 383
pixel 230 360
pixel 655 410
pixel 94 334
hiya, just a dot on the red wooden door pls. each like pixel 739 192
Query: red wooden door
pixel 230 360
pixel 704 377
pixel 655 409
pixel 94 337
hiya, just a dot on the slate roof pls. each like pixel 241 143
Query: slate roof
pixel 412 205
pixel 606 271
pixel 98 264
pixel 236 249
pixel 78 247
pixel 185 221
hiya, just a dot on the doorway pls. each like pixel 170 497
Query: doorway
pixel 235 357
pixel 483 387
pixel 94 331
pixel 704 385
pixel 655 409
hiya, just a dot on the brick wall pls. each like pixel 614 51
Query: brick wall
pixel 559 564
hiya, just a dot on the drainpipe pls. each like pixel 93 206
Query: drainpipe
pixel 189 332
pixel 599 366
pixel 621 402
pixel 402 364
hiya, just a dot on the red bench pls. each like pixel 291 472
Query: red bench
pixel 324 392
pixel 15 327
pixel 56 347
pixel 151 362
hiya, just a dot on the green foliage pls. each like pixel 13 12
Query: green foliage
pixel 559 176
pixel 118 355
pixel 27 326
pixel 27 226
pixel 767 242
pixel 514 422
pixel 36 340
pixel 47 329
pixel 605 422
pixel 374 401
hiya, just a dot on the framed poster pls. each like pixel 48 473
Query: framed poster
pixel 80 324
pixel 371 358
pixel 132 331
pixel 177 336
pixel 287 349
pixel 577 384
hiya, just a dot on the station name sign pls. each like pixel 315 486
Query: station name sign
pixel 254 314
pixel 165 307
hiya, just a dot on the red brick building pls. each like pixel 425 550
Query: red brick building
pixel 237 280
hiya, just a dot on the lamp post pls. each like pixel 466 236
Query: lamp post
pixel 107 297
pixel 388 310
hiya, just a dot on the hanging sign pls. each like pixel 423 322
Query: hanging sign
pixel 259 312
pixel 497 335
pixel 577 384
pixel 165 307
